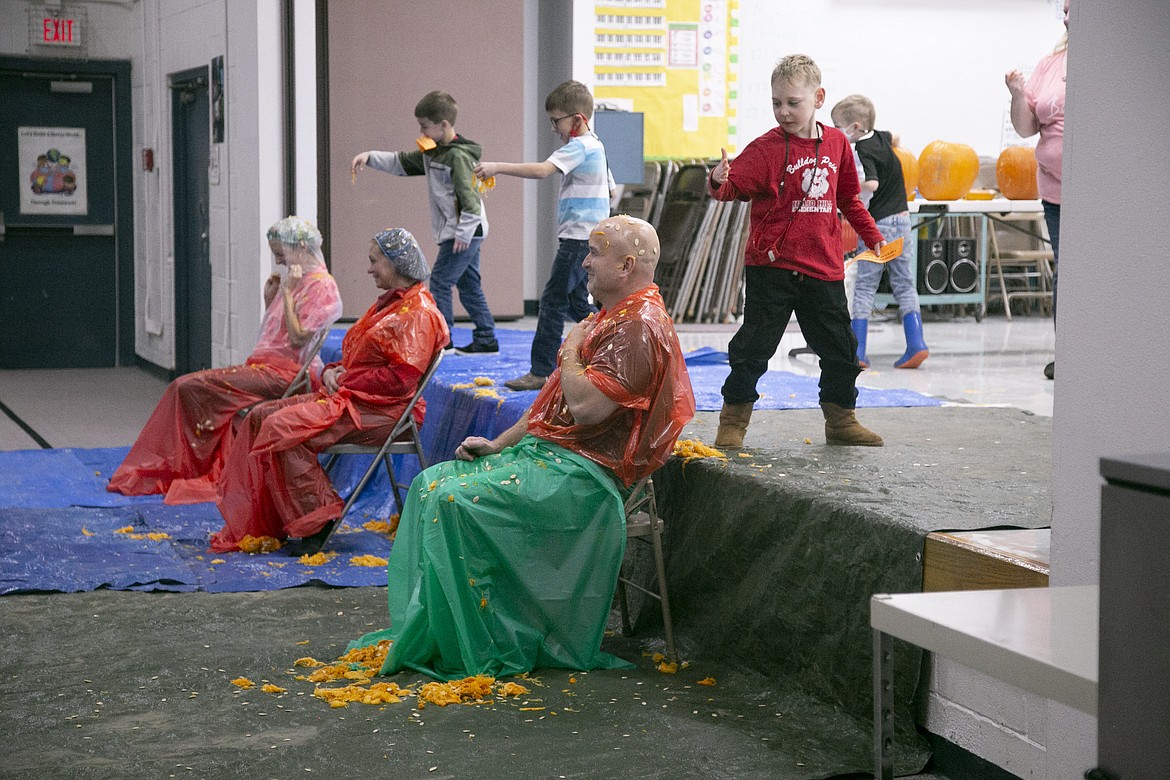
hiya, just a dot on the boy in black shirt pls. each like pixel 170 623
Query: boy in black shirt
pixel 855 116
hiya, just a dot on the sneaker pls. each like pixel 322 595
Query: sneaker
pixel 447 350
pixel 478 348
pixel 529 381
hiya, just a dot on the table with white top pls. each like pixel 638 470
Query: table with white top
pixel 985 214
pixel 1043 640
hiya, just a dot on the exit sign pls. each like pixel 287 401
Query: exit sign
pixel 63 28
pixel 60 31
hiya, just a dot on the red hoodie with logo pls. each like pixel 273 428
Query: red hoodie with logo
pixel 796 185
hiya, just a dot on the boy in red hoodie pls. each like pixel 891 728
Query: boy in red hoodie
pixel 796 176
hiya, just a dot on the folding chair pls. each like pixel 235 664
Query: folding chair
pixel 403 440
pixel 643 522
pixel 303 381
pixel 638 199
pixel 1021 273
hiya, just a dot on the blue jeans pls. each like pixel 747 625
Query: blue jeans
pixel 461 269
pixel 1052 220
pixel 901 268
pixel 564 297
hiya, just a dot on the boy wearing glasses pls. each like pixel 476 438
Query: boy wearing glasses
pixel 585 193
pixel 796 175
pixel 458 219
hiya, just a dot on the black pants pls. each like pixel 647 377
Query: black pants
pixel 1052 220
pixel 772 296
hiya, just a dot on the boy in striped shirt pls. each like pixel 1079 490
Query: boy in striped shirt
pixel 586 188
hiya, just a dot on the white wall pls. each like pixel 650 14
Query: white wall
pixel 305 59
pixel 244 202
pixel 933 68
pixel 255 148
pixel 1112 340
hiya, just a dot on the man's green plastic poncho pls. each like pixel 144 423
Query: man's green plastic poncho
pixel 509 563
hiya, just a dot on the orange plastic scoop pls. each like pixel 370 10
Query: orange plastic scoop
pixel 888 253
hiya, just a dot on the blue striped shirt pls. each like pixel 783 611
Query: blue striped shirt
pixel 585 186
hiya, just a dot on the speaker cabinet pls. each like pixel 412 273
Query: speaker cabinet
pixel 934 271
pixel 963 274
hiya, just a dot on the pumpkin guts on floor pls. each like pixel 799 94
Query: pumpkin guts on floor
pixel 507 558
pixel 181 449
pixel 272 484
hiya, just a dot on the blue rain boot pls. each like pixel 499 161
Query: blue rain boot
pixel 916 351
pixel 861 331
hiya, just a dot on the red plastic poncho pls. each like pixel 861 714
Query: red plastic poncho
pixel 384 354
pixel 272 483
pixel 181 448
pixel 633 356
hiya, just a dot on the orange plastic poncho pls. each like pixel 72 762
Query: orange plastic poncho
pixel 633 356
pixel 384 355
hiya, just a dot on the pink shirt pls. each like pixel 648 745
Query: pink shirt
pixel 318 305
pixel 1045 95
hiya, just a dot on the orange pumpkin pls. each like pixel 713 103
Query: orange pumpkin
pixel 909 170
pixel 946 171
pixel 1015 173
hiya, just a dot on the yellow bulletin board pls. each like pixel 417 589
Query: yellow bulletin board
pixel 676 61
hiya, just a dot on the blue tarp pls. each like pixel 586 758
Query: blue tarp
pixel 58 523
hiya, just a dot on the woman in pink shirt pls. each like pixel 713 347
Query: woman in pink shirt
pixel 1038 107
pixel 180 451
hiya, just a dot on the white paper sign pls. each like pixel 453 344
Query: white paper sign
pixel 52 170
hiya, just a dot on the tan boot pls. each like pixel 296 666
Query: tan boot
pixel 841 427
pixel 733 424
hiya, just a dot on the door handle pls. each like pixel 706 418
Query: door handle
pixel 93 230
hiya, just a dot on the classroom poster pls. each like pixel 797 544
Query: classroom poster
pixel 676 61
pixel 51 169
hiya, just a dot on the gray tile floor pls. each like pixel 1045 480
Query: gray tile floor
pixel 995 362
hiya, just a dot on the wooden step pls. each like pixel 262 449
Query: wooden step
pixel 986 560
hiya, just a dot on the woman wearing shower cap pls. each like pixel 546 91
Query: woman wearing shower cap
pixel 272 484
pixel 181 449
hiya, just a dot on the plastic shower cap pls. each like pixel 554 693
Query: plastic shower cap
pixel 294 231
pixel 404 253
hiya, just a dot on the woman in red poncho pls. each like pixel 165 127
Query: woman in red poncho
pixel 506 559
pixel 180 451
pixel 272 484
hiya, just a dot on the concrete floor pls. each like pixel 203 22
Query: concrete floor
pixel 116 684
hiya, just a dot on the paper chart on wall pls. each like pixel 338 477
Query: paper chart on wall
pixel 676 61
pixel 52 170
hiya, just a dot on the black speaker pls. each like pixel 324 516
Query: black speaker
pixel 964 270
pixel 934 272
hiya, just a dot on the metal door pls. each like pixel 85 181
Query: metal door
pixel 60 297
pixel 191 133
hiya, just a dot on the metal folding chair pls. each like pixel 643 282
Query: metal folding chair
pixel 404 439
pixel 643 522
pixel 303 381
